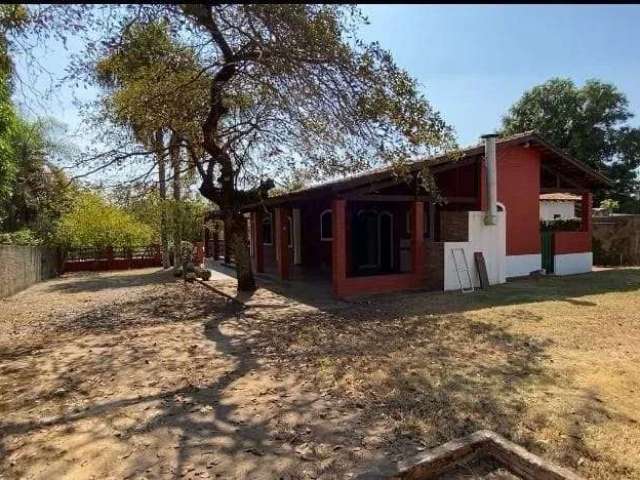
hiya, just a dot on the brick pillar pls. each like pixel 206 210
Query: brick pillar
pixel 417 238
pixel 282 242
pixel 587 200
pixel 258 249
pixel 338 246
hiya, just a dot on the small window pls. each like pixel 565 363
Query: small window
pixel 556 216
pixel 267 230
pixel 326 227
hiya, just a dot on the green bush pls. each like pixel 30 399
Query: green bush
pixel 563 225
pixel 20 237
pixel 92 222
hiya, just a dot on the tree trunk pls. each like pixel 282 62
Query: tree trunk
pixel 174 152
pixel 162 187
pixel 240 247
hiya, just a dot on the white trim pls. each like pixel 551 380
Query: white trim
pixel 522 265
pixel 322 237
pixel 390 215
pixel 572 263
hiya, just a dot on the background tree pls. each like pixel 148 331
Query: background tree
pixel 40 192
pixel 145 205
pixel 141 78
pixel 588 122
pixel 93 222
pixel 286 86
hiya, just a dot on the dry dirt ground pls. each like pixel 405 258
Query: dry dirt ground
pixel 135 375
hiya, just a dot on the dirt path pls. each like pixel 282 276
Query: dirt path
pixel 134 375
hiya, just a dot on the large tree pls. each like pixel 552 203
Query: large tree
pixel 589 122
pixel 284 86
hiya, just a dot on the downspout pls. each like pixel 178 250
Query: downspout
pixel 492 178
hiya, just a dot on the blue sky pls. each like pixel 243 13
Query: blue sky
pixel 473 62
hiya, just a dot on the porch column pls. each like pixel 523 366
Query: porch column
pixel 258 249
pixel 282 242
pixel 587 200
pixel 338 246
pixel 417 238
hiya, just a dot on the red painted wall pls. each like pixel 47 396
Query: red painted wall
pixel 571 242
pixel 519 191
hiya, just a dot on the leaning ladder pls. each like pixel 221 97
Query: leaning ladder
pixel 462 266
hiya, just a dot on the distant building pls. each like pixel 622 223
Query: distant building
pixel 558 206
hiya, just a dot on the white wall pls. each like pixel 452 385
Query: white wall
pixel 549 208
pixel 491 240
pixel 572 263
pixel 522 265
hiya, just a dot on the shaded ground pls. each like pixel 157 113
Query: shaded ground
pixel 133 375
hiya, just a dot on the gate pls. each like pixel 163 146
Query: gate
pixel 546 244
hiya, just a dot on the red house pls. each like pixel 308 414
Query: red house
pixel 376 232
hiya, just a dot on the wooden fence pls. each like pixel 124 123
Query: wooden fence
pixel 92 259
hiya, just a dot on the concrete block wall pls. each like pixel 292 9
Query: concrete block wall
pixel 22 266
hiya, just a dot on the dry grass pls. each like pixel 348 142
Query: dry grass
pixel 551 364
pixel 134 375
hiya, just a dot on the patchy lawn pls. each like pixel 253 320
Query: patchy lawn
pixel 131 374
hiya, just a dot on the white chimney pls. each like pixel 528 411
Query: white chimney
pixel 492 178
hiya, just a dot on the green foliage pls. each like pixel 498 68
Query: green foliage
pixel 20 237
pixel 38 192
pixel 588 122
pixel 146 207
pixel 610 204
pixel 153 82
pixel 93 222
pixel 561 225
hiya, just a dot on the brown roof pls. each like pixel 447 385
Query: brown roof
pixel 559 197
pixel 571 166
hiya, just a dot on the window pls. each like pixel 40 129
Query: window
pixel 556 216
pixel 326 227
pixel 267 230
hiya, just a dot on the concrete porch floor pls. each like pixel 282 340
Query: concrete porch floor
pixel 303 292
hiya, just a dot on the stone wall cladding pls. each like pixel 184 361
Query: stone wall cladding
pixel 21 267
pixel 454 226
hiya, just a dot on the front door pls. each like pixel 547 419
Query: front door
pixel 372 242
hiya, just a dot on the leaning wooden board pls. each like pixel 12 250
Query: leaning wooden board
pixel 481 267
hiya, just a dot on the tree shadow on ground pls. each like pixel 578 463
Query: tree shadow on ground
pixel 96 281
pixel 266 393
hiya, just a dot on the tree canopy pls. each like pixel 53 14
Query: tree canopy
pixel 256 89
pixel 589 122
